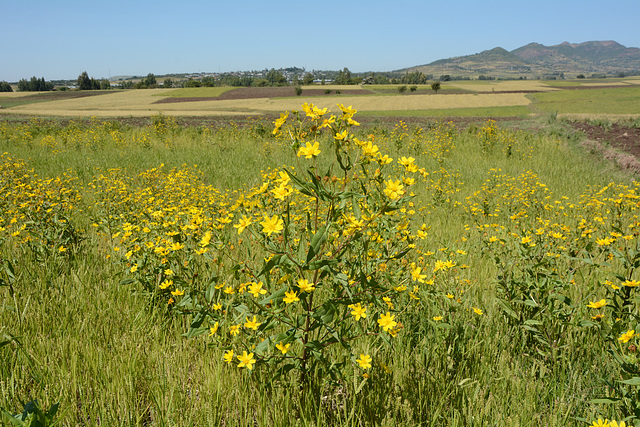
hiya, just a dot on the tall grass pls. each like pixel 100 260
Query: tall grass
pixel 111 356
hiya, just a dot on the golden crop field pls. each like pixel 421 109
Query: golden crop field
pixel 141 103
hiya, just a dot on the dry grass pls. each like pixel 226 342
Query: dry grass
pixel 17 94
pixel 141 103
pixel 502 86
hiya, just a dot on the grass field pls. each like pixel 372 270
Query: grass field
pixel 594 101
pixel 464 98
pixel 412 274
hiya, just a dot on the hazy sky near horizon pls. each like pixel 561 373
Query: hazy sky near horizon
pixel 61 39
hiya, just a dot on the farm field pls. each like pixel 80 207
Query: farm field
pixel 520 98
pixel 308 269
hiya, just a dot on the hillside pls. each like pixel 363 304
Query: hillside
pixel 536 60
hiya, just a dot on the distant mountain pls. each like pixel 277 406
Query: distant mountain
pixel 537 60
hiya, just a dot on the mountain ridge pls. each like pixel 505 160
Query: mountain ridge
pixel 606 57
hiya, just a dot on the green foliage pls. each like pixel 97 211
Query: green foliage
pixel 34 85
pixel 308 79
pixel 416 78
pixel 5 87
pixel 33 416
pixel 298 90
pixel 276 78
pixel 435 86
pixel 402 89
pixel 84 82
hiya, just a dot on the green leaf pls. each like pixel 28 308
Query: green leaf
pixel 605 400
pixel 316 242
pixel 209 295
pixel 318 264
pixel 635 381
pixel 508 310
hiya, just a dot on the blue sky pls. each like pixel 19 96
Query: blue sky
pixel 60 39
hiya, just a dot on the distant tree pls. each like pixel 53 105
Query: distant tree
pixel 298 91
pixel 416 77
pixel 435 86
pixel 34 85
pixel 84 82
pixel 580 76
pixel 276 78
pixel 402 89
pixel 308 79
pixel 167 83
pixel 151 80
pixel 445 78
pixel 344 77
pixel 5 87
pixel 413 88
pixel 105 84
pixel 192 83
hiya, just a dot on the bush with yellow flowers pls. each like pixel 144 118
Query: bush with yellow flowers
pixel 315 263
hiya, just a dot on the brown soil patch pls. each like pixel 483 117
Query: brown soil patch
pixel 618 136
pixel 265 92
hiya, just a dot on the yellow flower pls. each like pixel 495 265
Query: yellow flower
pixel 166 284
pixel 340 136
pixel 370 150
pixel 358 312
pixel 477 311
pixel 134 268
pixel 246 360
pixel 290 297
pixel 613 423
pixel 309 150
pixel 217 307
pixel 624 338
pixel 214 329
pixel 256 290
pixel 347 110
pixel 279 122
pixel 272 225
pixel 598 304
pixel 283 347
pixel 234 330
pixel 281 191
pixel 205 239
pixel 437 318
pixel 631 283
pixel 416 276
pixel 393 190
pixel 177 292
pixel 605 242
pixel 305 286
pixel 244 223
pixel 228 356
pixel 526 240
pixel 62 249
pixel 252 324
pixel 364 361
pixel 386 321
pixel 601 423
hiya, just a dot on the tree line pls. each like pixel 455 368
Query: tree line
pixel 34 85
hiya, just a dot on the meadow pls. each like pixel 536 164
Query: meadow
pixel 578 98
pixel 310 270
